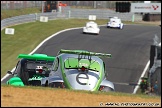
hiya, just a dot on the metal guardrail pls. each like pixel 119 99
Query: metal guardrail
pixel 17 20
pixel 70 13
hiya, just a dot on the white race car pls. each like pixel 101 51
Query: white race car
pixel 91 27
pixel 115 22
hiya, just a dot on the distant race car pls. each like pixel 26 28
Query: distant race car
pixel 91 27
pixel 115 22
pixel 31 69
pixel 79 70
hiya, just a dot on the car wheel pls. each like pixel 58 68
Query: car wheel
pixel 56 85
pixel 120 27
pixel 45 85
pixel 107 89
pixel 35 83
pixel 51 85
pixel 24 76
pixel 97 33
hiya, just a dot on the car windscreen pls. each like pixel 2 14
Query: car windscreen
pixel 115 20
pixel 91 25
pixel 74 63
pixel 34 64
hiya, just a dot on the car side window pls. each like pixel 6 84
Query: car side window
pixel 56 64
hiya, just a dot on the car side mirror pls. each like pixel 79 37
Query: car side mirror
pixel 9 72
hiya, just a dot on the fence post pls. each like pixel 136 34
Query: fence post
pixel 133 18
pixel 69 13
pixel 36 16
pixel 42 6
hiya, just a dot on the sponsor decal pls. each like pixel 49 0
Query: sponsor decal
pixel 82 76
pixel 155 7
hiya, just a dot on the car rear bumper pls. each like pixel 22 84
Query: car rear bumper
pixel 85 30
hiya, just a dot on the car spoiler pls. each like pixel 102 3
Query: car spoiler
pixel 37 57
pixel 82 52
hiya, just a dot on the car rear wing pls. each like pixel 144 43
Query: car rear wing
pixel 82 52
pixel 37 57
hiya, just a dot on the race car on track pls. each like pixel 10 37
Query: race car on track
pixel 115 22
pixel 91 27
pixel 31 69
pixel 79 70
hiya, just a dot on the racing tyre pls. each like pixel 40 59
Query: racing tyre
pixel 24 76
pixel 107 89
pixel 45 85
pixel 35 83
pixel 56 85
pixel 121 27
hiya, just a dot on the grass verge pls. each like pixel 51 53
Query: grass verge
pixel 41 96
pixel 17 12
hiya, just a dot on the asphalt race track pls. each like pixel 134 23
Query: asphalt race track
pixel 130 49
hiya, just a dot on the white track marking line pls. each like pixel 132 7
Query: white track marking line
pixel 142 75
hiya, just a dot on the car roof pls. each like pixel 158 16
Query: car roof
pixel 115 19
pixel 37 57
pixel 91 22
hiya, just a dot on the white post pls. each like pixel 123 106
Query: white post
pixel 59 8
pixel 95 4
pixel 42 6
pixel 35 16
pixel 69 13
pixel 133 18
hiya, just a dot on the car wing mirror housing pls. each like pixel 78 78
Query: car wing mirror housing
pixel 9 72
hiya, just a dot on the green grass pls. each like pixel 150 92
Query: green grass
pixel 17 12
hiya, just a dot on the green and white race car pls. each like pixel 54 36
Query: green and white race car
pixel 79 70
pixel 31 69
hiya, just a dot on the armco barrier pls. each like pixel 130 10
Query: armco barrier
pixel 17 20
pixel 70 13
pixel 29 18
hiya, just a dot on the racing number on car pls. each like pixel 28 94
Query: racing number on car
pixel 82 76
